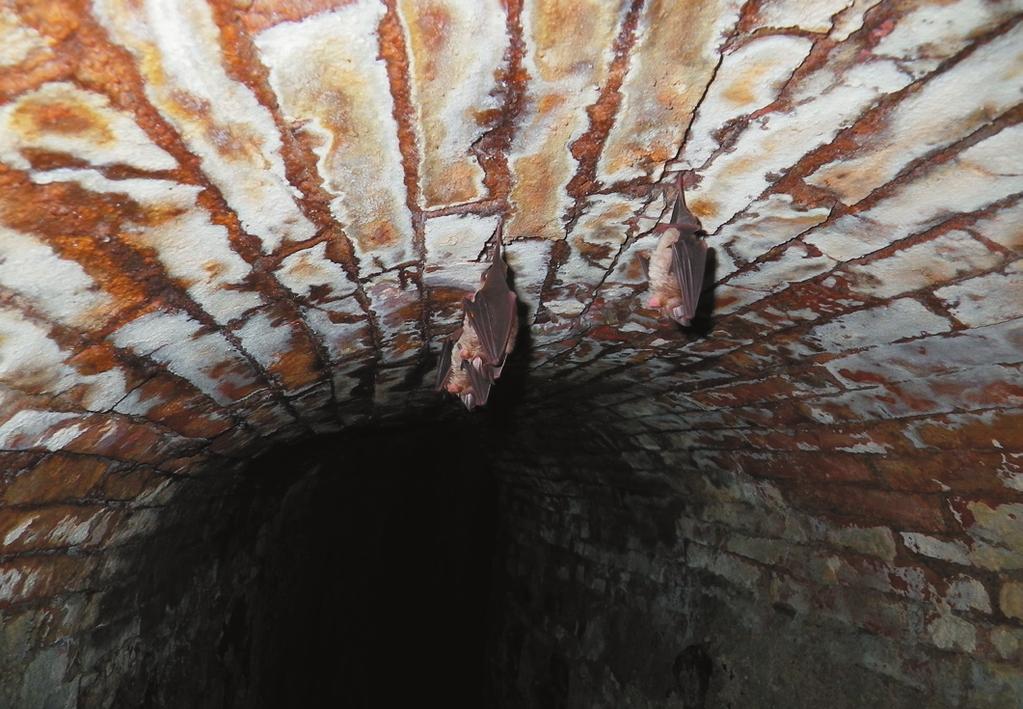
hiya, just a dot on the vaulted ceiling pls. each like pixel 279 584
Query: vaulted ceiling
pixel 229 223
pixel 223 222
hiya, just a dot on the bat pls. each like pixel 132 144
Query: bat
pixel 473 356
pixel 677 264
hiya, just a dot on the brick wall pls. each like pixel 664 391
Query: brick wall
pixel 644 564
pixel 308 577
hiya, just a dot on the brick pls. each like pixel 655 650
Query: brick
pixel 769 389
pixel 903 511
pixel 873 541
pixel 992 430
pixel 36 577
pixel 1007 642
pixel 128 483
pixel 52 527
pixel 1010 599
pixel 950 632
pixel 963 471
pixel 805 466
pixel 59 476
pixel 965 593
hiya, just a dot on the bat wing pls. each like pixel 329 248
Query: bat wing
pixel 445 362
pixel 495 370
pixel 481 381
pixel 689 258
pixel 491 312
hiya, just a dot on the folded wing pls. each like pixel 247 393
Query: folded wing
pixel 491 313
pixel 689 259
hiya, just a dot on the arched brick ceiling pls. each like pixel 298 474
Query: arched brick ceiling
pixel 226 224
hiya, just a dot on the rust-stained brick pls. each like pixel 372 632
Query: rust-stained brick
pixel 59 476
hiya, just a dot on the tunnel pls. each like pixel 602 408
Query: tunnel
pixel 511 353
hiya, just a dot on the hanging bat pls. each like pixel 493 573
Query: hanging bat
pixel 677 264
pixel 474 356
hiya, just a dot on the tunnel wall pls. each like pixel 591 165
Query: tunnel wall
pixel 346 571
pixel 126 609
pixel 636 556
pixel 643 565
pixel 147 605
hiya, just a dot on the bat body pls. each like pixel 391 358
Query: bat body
pixel 474 356
pixel 677 265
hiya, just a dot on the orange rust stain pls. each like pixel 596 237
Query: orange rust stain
pixel 214 268
pixel 174 405
pixel 95 359
pixel 378 234
pixel 703 208
pixel 235 390
pixel 549 102
pixel 675 61
pixel 126 442
pixel 336 114
pixel 56 18
pixel 409 312
pixel 635 270
pixel 486 116
pixel 232 140
pixel 430 36
pixel 725 299
pixel 223 368
pixel 78 224
pixel 559 28
pixel 535 196
pixel 297 367
pixel 260 15
pixel 598 254
pixel 343 318
pixel 304 268
pixel 39 115
pixel 405 342
pixel 57 477
pixel 742 91
pixel 457 185
pixel 127 484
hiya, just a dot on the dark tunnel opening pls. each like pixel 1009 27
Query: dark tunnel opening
pixel 352 570
pixel 380 570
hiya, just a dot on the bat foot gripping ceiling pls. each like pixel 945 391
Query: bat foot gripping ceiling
pixel 677 264
pixel 474 355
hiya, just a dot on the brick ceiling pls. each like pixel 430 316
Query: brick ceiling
pixel 226 224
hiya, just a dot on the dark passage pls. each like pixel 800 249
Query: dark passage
pixel 377 573
pixel 347 571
